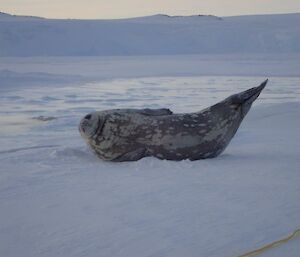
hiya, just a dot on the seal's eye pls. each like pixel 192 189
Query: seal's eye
pixel 88 117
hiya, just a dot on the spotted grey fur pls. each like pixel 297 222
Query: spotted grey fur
pixel 131 134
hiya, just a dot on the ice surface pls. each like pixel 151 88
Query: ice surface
pixel 58 199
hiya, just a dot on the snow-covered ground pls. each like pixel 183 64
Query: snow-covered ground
pixel 58 199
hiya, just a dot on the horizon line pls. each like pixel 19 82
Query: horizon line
pixel 142 16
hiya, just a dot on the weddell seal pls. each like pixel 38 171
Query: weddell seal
pixel 131 134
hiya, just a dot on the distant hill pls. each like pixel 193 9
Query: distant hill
pixel 10 17
pixel 151 35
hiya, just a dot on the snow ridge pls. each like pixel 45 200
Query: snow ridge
pixel 151 35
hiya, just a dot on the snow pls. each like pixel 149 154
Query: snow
pixel 58 199
pixel 154 35
pixel 44 69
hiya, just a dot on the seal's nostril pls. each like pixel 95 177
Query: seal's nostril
pixel 88 117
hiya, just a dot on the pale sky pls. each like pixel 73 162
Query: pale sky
pixel 103 9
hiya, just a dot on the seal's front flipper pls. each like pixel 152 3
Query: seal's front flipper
pixel 132 156
pixel 147 111
pixel 156 112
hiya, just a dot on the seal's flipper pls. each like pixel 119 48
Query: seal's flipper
pixel 249 95
pixel 132 156
pixel 156 112
pixel 146 111
pixel 246 98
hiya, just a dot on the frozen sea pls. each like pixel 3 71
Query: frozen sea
pixel 58 199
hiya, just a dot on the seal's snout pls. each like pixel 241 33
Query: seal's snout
pixel 88 125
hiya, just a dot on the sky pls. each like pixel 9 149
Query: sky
pixel 103 9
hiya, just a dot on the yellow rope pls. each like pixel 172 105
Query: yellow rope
pixel 273 244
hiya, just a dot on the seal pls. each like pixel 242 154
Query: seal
pixel 131 134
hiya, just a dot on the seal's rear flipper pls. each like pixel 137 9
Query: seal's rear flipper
pixel 246 98
pixel 249 95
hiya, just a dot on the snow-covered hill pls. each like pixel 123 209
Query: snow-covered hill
pixel 10 17
pixel 152 35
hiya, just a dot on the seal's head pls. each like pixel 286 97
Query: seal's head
pixel 89 125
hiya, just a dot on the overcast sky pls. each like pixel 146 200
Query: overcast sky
pixel 88 9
